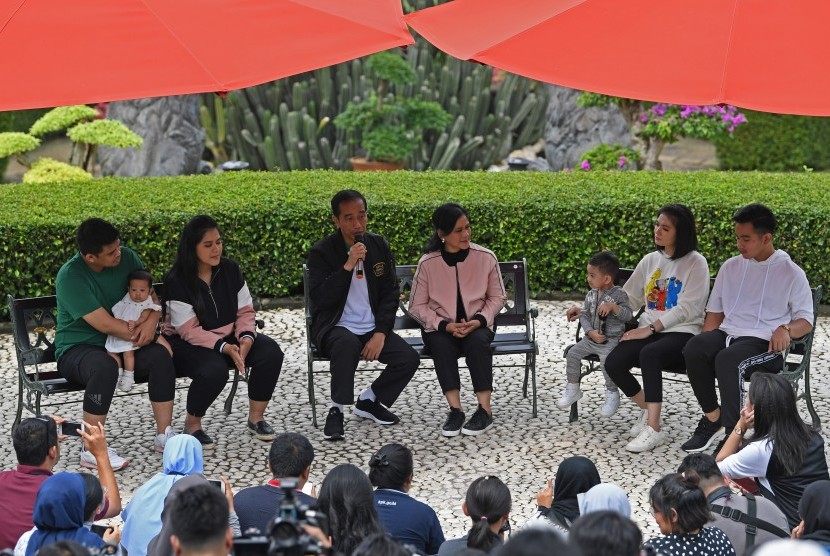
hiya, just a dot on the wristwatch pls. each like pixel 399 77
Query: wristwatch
pixel 739 431
pixel 653 330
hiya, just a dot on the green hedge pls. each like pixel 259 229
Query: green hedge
pixel 775 143
pixel 270 220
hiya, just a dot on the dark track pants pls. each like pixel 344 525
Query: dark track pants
pixel 475 347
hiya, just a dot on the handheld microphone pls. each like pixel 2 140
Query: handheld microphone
pixel 358 238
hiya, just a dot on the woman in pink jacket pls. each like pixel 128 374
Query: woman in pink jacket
pixel 456 294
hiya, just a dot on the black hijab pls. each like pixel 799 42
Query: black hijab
pixel 814 508
pixel 575 475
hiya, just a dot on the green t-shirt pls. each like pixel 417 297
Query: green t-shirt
pixel 80 291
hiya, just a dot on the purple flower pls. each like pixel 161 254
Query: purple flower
pixel 659 109
pixel 585 165
pixel 622 161
pixel 644 118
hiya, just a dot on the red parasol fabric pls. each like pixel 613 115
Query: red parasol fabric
pixel 761 54
pixel 85 51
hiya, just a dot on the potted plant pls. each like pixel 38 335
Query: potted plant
pixel 387 127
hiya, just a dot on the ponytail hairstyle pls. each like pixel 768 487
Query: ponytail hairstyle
pixel 681 493
pixel 186 266
pixel 488 500
pixel 391 466
pixel 444 219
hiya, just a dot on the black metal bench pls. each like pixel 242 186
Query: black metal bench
pixel 517 314
pixel 34 321
pixel 795 367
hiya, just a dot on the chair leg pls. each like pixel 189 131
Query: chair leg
pixel 573 416
pixel 533 381
pixel 311 399
pixel 527 372
pixel 232 393
pixel 809 399
pixel 19 412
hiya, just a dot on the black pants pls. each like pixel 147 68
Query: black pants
pixel 208 370
pixel 343 348
pixel 475 347
pixel 653 355
pixel 708 358
pixel 91 367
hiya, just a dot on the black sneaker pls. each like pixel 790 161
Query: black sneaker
pixel 203 438
pixel 478 423
pixel 703 436
pixel 375 411
pixel 455 420
pixel 262 430
pixel 334 425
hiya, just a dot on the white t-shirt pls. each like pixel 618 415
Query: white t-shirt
pixel 357 315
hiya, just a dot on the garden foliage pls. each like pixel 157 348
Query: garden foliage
pixel 555 220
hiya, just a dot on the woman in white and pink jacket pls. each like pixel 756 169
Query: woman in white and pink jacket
pixel 456 294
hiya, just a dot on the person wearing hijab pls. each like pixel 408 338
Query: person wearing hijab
pixel 558 502
pixel 59 514
pixel 602 497
pixel 142 517
pixel 814 509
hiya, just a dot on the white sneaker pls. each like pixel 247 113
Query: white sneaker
pixel 640 424
pixel 126 381
pixel 161 439
pixel 571 394
pixel 116 461
pixel 647 440
pixel 611 404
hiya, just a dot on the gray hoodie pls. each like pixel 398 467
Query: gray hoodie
pixel 614 324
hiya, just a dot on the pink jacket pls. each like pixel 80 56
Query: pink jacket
pixel 434 289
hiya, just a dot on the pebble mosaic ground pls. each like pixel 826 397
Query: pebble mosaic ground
pixel 521 450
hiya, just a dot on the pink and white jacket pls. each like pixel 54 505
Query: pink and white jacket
pixel 436 284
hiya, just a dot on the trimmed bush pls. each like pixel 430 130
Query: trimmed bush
pixel 775 143
pixel 17 120
pixel 269 221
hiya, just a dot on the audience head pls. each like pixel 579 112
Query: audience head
pixel 605 533
pixel 93 235
pixel 35 441
pixel 290 455
pixel 814 509
pixel 535 542
pixel 94 496
pixel 183 456
pixel 347 499
pixel 759 216
pixel 685 238
pixel 574 475
pixel 604 496
pixel 446 220
pixel 772 399
pixel 64 548
pixel 678 503
pixel 604 263
pixel 488 504
pixel 706 468
pixel 391 467
pixel 199 522
pixel 380 544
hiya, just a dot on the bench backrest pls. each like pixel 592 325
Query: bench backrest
pixel 34 321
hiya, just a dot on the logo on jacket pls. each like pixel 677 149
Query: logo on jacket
pixel 379 269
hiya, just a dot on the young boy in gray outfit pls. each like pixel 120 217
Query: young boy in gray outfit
pixel 602 317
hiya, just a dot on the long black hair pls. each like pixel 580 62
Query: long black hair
pixel 346 497
pixel 777 418
pixel 391 466
pixel 94 495
pixel 186 266
pixel 444 218
pixel 488 500
pixel 684 224
pixel 681 492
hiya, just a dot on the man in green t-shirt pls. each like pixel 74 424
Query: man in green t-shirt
pixel 87 287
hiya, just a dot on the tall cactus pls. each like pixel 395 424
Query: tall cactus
pixel 286 124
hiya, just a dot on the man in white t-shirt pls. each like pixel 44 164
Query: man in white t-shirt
pixel 760 301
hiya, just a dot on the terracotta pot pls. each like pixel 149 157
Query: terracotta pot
pixel 360 164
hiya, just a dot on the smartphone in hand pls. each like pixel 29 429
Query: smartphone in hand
pixel 70 429
pixel 218 484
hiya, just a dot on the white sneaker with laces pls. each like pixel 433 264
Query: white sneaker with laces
pixel 647 440
pixel 116 461
pixel 126 381
pixel 640 424
pixel 161 439
pixel 572 393
pixel 611 404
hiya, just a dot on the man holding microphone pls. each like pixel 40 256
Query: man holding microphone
pixel 354 298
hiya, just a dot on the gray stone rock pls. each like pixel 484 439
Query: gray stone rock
pixel 571 130
pixel 173 138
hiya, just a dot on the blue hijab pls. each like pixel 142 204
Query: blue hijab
pixel 59 513
pixel 142 516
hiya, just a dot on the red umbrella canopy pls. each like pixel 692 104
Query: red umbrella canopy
pixel 765 55
pixel 84 51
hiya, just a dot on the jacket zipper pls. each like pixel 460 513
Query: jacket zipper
pixel 210 291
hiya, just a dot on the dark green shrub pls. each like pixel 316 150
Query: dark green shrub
pixel 775 143
pixel 555 220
